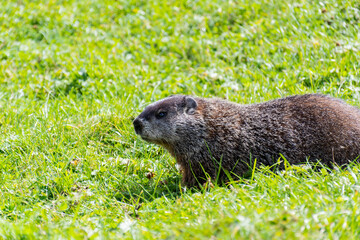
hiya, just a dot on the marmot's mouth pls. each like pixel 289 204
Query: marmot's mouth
pixel 146 139
pixel 150 140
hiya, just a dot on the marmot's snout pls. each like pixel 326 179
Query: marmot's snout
pixel 138 126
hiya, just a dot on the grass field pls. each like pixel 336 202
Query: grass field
pixel 73 75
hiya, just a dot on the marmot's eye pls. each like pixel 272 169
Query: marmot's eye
pixel 160 114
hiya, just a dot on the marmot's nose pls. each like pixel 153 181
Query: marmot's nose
pixel 137 126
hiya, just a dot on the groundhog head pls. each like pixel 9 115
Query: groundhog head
pixel 166 122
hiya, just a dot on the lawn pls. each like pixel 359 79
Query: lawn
pixel 74 74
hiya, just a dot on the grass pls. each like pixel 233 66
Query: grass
pixel 73 75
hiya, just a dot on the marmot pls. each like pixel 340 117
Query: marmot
pixel 214 137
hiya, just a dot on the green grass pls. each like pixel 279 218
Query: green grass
pixel 73 75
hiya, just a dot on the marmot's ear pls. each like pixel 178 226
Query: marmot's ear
pixel 190 105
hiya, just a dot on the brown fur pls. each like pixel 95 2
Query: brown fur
pixel 204 134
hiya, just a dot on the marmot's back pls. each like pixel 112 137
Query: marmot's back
pixel 203 134
pixel 308 126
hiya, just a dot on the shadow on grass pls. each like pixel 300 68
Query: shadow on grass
pixel 137 191
pixel 133 192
